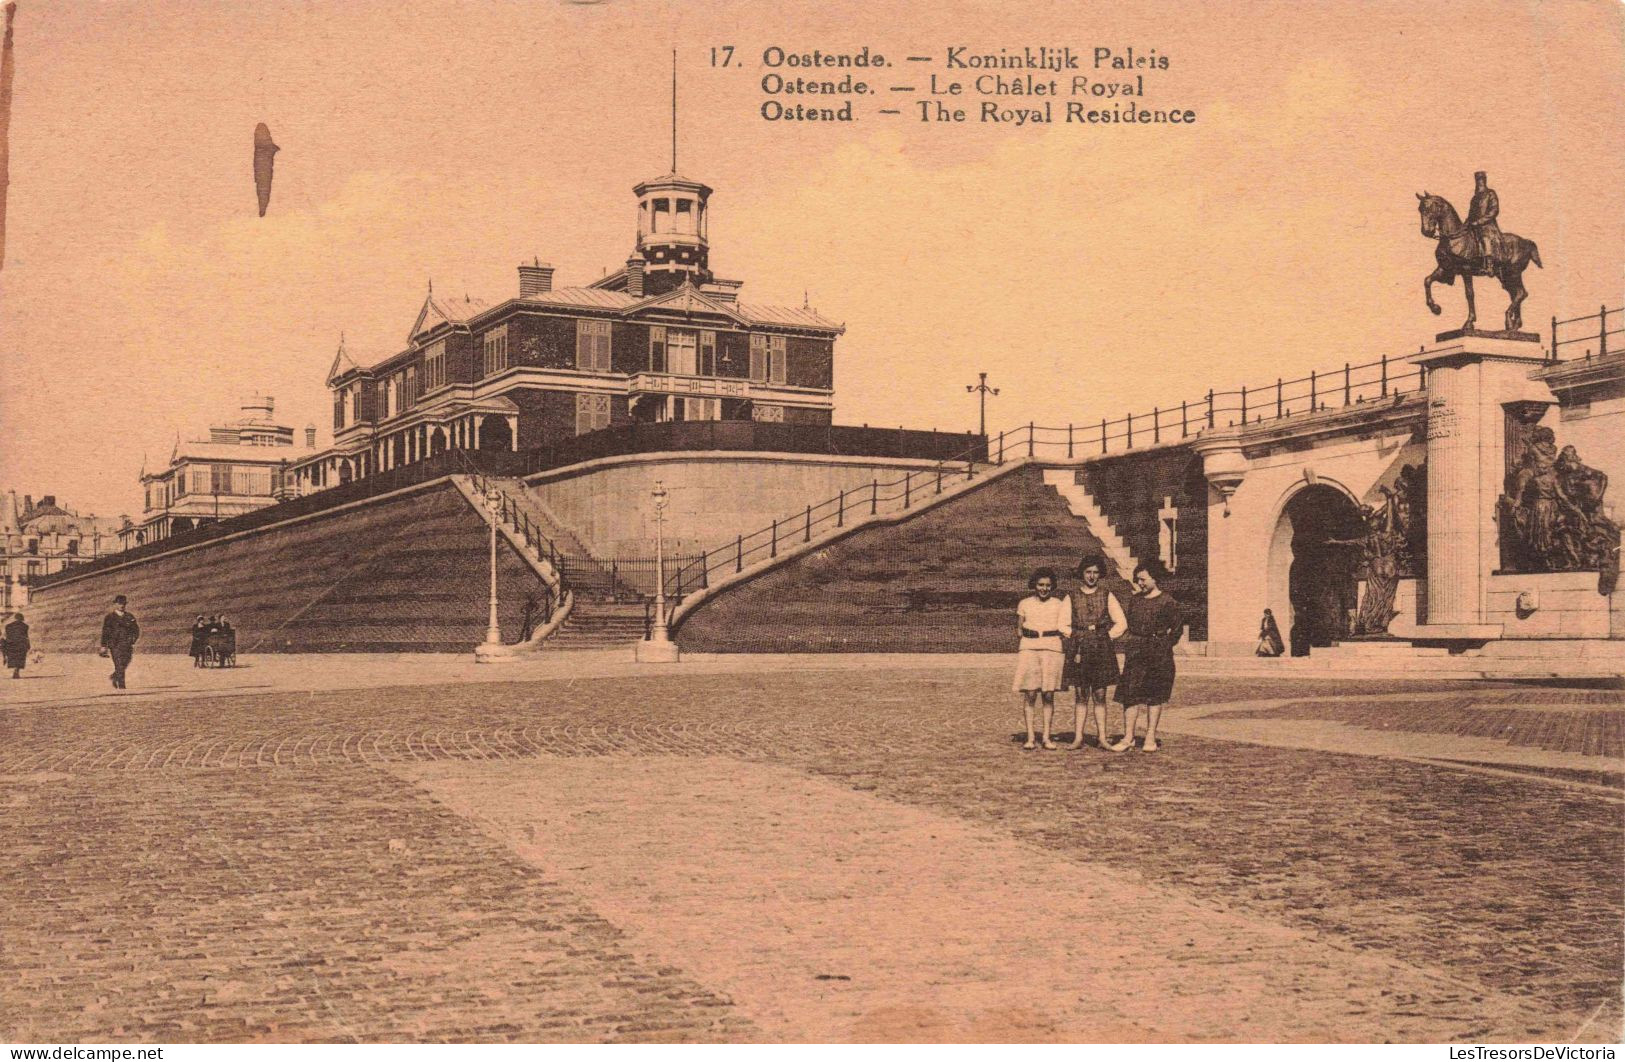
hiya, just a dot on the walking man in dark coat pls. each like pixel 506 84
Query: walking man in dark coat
pixel 119 632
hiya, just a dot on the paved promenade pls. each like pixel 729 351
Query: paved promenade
pixel 356 849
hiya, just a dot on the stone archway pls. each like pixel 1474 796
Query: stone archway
pixel 180 525
pixel 495 433
pixel 437 441
pixel 345 475
pixel 1312 579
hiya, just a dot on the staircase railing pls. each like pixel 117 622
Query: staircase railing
pixel 519 522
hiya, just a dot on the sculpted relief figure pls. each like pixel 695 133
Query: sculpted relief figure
pixel 1476 248
pixel 1587 536
pixel 1553 516
pixel 1393 545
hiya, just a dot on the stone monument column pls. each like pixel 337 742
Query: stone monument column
pixel 1470 379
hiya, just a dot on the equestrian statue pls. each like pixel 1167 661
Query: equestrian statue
pixel 1476 248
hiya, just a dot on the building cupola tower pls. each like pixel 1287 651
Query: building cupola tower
pixel 673 214
pixel 672 238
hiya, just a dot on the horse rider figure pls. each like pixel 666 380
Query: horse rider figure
pixel 1481 215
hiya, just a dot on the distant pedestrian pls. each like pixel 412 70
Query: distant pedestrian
pixel 1044 621
pixel 1154 625
pixel 1097 619
pixel 14 645
pixel 527 618
pixel 119 634
pixel 200 640
pixel 1269 636
pixel 226 637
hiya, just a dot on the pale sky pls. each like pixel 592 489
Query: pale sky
pixel 1090 270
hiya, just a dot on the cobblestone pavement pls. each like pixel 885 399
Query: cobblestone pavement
pixel 359 865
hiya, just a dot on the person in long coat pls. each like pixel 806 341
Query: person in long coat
pixel 119 634
pixel 1155 622
pixel 200 640
pixel 14 645
pixel 1269 636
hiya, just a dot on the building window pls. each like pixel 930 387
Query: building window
pixel 220 479
pixel 434 366
pixel 73 547
pixel 592 413
pixel 355 403
pixel 767 412
pixel 592 346
pixel 767 359
pixel 495 351
pixel 33 546
pixel 708 353
pixel 338 410
pixel 682 352
pixel 657 349
pixel 412 392
pixel 662 206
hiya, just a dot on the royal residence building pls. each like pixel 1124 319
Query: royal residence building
pixel 241 466
pixel 40 538
pixel 661 339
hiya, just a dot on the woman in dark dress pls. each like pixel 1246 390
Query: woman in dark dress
pixel 200 641
pixel 15 645
pixel 1155 621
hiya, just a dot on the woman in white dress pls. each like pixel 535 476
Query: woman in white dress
pixel 1044 622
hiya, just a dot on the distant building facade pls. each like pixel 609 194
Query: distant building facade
pixel 661 339
pixel 240 467
pixel 41 538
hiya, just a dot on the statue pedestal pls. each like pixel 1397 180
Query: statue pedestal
pixel 1478 334
pixel 1468 385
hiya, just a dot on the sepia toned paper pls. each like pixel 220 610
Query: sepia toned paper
pixel 1023 221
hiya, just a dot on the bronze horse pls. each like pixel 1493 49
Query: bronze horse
pixel 1459 254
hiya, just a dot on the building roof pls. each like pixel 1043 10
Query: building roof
pixel 236 453
pixel 594 298
pixel 439 310
pixel 750 313
pixel 786 315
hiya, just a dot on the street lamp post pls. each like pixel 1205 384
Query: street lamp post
pixel 659 647
pixel 982 390
pixel 492 651
pixel 493 505
pixel 660 498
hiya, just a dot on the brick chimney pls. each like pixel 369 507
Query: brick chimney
pixel 310 436
pixel 534 279
pixel 634 277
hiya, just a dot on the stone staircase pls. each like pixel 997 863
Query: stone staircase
pixel 1082 504
pixel 590 577
pixel 602 612
pixel 600 625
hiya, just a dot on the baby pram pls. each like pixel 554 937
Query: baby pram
pixel 221 649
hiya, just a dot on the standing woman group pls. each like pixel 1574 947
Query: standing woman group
pixel 1068 641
